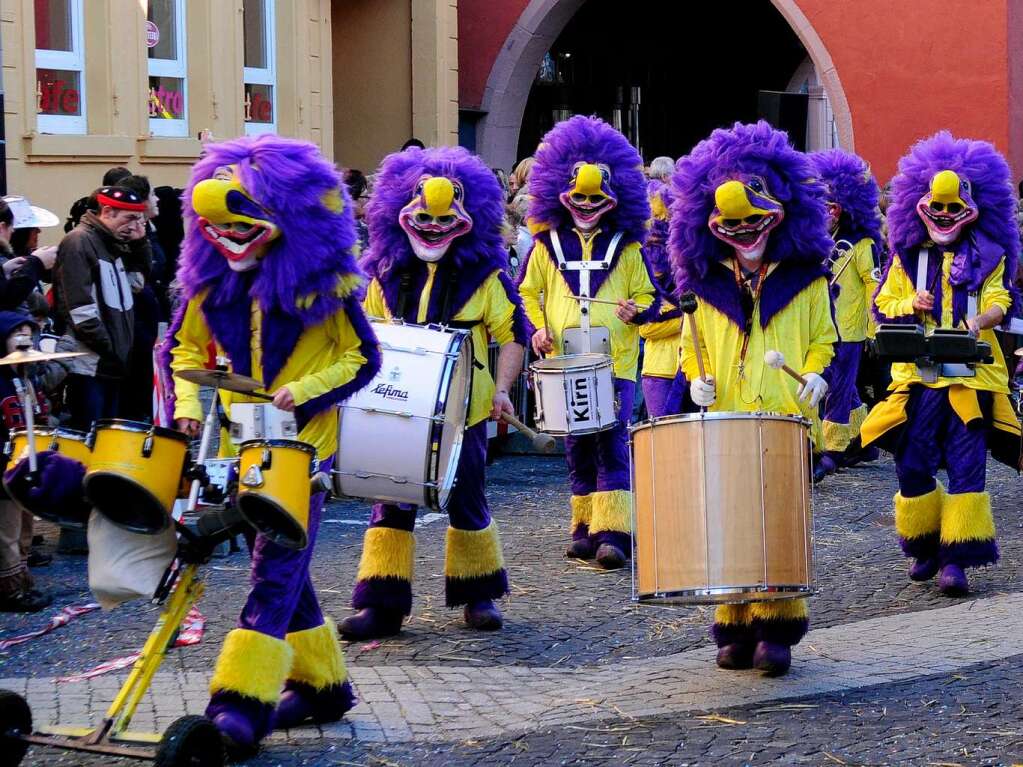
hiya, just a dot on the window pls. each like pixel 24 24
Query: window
pixel 260 68
pixel 60 67
pixel 168 82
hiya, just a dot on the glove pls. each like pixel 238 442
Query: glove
pixel 703 392
pixel 814 390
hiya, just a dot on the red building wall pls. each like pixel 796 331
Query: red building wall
pixel 905 73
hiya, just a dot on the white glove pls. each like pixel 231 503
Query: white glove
pixel 814 390
pixel 703 392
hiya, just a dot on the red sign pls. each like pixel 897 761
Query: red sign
pixel 152 35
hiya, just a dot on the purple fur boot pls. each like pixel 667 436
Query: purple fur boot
pixel 581 546
pixel 953 582
pixel 610 557
pixel 301 703
pixel 823 465
pixel 371 623
pixel 242 722
pixel 923 569
pixel 735 656
pixel 772 658
pixel 483 615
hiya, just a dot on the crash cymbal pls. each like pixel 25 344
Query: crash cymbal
pixel 29 356
pixel 223 379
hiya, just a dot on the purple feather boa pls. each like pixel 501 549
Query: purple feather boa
pixel 994 234
pixel 475 255
pixel 800 244
pixel 849 182
pixel 588 139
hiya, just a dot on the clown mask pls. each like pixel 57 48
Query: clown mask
pixel 589 195
pixel 744 215
pixel 947 208
pixel 435 217
pixel 232 221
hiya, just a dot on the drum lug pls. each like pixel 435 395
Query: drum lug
pixel 253 477
pixel 266 461
pixel 147 446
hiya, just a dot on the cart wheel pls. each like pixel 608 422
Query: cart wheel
pixel 191 741
pixel 15 719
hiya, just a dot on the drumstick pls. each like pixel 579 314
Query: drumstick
pixel 776 360
pixel 595 300
pixel 544 443
pixel 687 303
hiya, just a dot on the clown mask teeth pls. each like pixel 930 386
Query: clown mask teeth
pixel 435 217
pixel 231 221
pixel 589 195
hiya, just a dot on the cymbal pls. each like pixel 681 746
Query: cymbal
pixel 221 379
pixel 29 356
pixel 1019 352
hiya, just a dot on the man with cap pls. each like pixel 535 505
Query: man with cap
pixel 94 300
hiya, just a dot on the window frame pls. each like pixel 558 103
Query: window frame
pixel 175 68
pixel 72 61
pixel 263 75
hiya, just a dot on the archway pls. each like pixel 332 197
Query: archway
pixel 543 22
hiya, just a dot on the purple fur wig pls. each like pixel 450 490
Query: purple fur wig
pixel 849 182
pixel 800 243
pixel 589 139
pixel 993 235
pixel 289 178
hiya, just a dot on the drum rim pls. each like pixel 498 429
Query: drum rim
pixel 433 326
pixel 724 591
pixel 296 444
pixel 137 427
pixel 435 485
pixel 719 416
pixel 103 474
pixel 75 434
pixel 537 366
pixel 21 431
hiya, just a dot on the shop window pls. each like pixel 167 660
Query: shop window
pixel 260 68
pixel 60 67
pixel 168 69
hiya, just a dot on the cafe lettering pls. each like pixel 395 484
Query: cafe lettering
pixel 57 94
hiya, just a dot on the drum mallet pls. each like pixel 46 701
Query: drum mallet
pixel 543 443
pixel 687 303
pixel 776 360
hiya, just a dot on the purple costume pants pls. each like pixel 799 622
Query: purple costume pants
pixel 935 436
pixel 843 396
pixel 282 599
pixel 663 396
pixel 467 506
pixel 600 462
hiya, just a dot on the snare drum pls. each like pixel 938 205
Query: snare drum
pixel 400 437
pixel 274 488
pixel 575 394
pixel 71 511
pixel 722 509
pixel 135 473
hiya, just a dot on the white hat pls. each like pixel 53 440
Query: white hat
pixel 28 216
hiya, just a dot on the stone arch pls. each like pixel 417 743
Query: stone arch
pixel 538 27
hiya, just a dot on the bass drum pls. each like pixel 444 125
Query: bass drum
pixel 399 438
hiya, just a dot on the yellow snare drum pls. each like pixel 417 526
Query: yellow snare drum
pixel 274 490
pixel 135 473
pixel 70 443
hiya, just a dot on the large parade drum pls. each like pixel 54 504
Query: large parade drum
pixel 274 488
pixel 399 438
pixel 135 473
pixel 74 445
pixel 575 394
pixel 723 508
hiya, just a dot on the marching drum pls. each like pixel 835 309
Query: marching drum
pixel 274 488
pixel 400 437
pixel 69 443
pixel 575 394
pixel 722 509
pixel 135 473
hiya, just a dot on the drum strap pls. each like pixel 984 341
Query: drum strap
pixel 404 291
pixel 584 268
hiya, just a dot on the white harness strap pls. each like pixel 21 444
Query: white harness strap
pixel 584 268
pixel 921 269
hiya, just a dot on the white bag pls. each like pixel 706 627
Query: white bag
pixel 125 565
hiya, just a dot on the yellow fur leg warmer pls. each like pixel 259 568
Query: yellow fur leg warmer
pixel 318 659
pixel 582 511
pixel 253 665
pixel 387 553
pixel 967 517
pixel 612 511
pixel 473 553
pixel 919 516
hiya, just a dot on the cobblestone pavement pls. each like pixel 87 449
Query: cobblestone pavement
pixel 567 621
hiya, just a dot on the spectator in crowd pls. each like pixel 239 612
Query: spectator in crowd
pixel 523 239
pixel 413 142
pixel 17 590
pixel 19 275
pixel 148 261
pixel 94 301
pixel 170 231
pixel 29 221
pixel 502 179
pixel 661 169
pixel 358 188
pixel 115 175
pixel 519 178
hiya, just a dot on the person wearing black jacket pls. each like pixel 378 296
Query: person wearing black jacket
pixel 18 275
pixel 94 300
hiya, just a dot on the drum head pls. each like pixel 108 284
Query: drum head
pixel 126 503
pixel 455 414
pixel 273 521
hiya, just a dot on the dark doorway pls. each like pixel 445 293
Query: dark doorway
pixel 692 67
